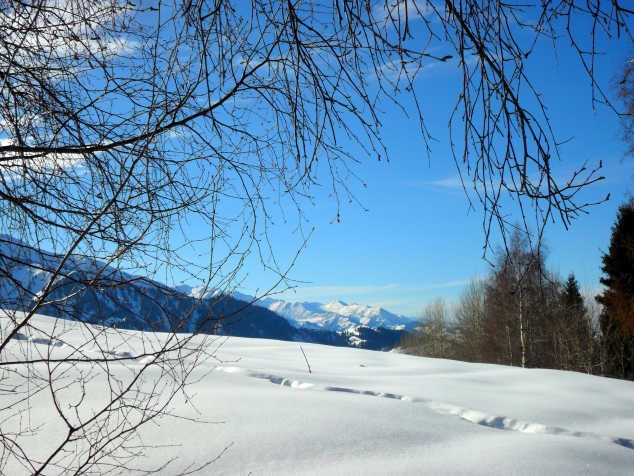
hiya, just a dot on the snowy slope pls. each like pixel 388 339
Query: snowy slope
pixel 363 413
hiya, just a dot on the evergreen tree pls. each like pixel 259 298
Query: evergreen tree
pixel 573 300
pixel 617 318
pixel 575 311
pixel 574 329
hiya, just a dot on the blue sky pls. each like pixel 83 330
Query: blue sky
pixel 412 237
pixel 418 240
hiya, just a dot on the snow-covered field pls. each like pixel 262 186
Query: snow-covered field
pixel 360 412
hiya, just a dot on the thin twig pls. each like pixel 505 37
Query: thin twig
pixel 309 371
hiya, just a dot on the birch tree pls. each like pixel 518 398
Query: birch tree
pixel 144 141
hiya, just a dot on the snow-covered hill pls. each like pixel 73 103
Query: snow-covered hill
pixel 356 413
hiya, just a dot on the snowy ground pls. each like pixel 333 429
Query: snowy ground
pixel 371 413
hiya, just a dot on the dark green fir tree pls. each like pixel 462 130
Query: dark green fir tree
pixel 573 302
pixel 617 318
pixel 577 331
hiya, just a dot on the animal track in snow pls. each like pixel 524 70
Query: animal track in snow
pixel 121 354
pixel 45 341
pixel 474 416
pixel 115 354
pixel 39 340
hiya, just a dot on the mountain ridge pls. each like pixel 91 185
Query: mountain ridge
pixel 335 315
pixel 90 291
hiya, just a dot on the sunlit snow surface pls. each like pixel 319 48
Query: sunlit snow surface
pixel 363 412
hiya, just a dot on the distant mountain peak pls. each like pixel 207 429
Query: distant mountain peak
pixel 336 315
pixel 335 305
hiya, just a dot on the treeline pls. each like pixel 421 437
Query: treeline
pixel 523 315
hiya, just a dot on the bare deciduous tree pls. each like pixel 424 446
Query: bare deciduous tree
pixel 436 337
pixel 159 140
pixel 470 321
pixel 431 338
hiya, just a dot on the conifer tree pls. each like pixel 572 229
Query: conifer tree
pixel 575 311
pixel 575 329
pixel 573 300
pixel 617 318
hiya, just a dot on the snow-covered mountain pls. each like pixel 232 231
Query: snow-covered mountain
pixel 336 315
pixel 333 316
pixel 90 291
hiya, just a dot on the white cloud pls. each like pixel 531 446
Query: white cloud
pixel 13 166
pixel 453 183
pixel 450 284
pixel 450 183
pixel 396 10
